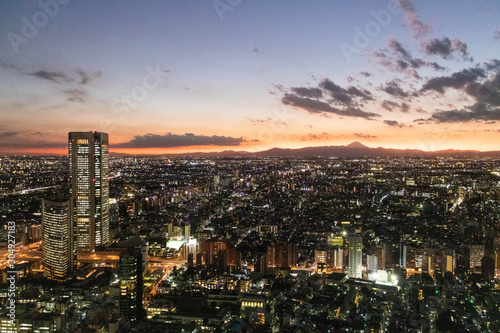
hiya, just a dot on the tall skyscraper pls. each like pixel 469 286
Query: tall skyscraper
pixel 89 169
pixel 131 282
pixel 355 257
pixel 57 234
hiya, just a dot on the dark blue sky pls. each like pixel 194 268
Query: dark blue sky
pixel 232 69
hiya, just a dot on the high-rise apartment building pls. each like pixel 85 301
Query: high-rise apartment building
pixel 476 253
pixel 371 263
pixel 281 255
pixel 355 257
pixel 57 245
pixel 89 169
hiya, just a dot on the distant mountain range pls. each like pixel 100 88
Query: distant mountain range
pixel 353 150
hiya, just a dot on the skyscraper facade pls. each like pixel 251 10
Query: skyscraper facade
pixel 57 245
pixel 131 282
pixel 89 169
pixel 355 257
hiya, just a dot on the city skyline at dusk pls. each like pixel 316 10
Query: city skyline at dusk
pixel 250 166
pixel 176 77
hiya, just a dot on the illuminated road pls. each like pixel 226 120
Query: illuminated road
pixel 165 261
pixel 33 252
pixel 154 289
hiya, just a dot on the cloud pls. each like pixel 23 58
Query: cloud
pixel 487 92
pixel 365 94
pixel 85 77
pixel 393 88
pixel 338 93
pixel 74 84
pixel 397 47
pixel 8 134
pixel 496 35
pixel 492 64
pixel 311 105
pixel 256 50
pixel 364 136
pixel 394 123
pixel 473 82
pixel 343 95
pixel 479 112
pixel 170 140
pixel 366 74
pixel 401 60
pixel 256 121
pixel 307 92
pixel 22 144
pixel 266 121
pixel 413 20
pixel 315 106
pixel 456 80
pixel 10 66
pixel 446 48
pixel 404 107
pixel 329 98
pixel 76 95
pixel 319 136
pixel 389 105
pixel 52 76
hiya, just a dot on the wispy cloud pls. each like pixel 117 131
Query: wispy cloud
pixel 8 134
pixel 399 59
pixel 266 121
pixel 391 106
pixel 86 77
pixel 394 123
pixel 52 76
pixel 256 50
pixel 365 136
pixel 76 95
pixel 413 20
pixel 10 66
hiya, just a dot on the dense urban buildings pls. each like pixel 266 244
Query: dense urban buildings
pixel 283 245
pixel 89 171
pixel 234 166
